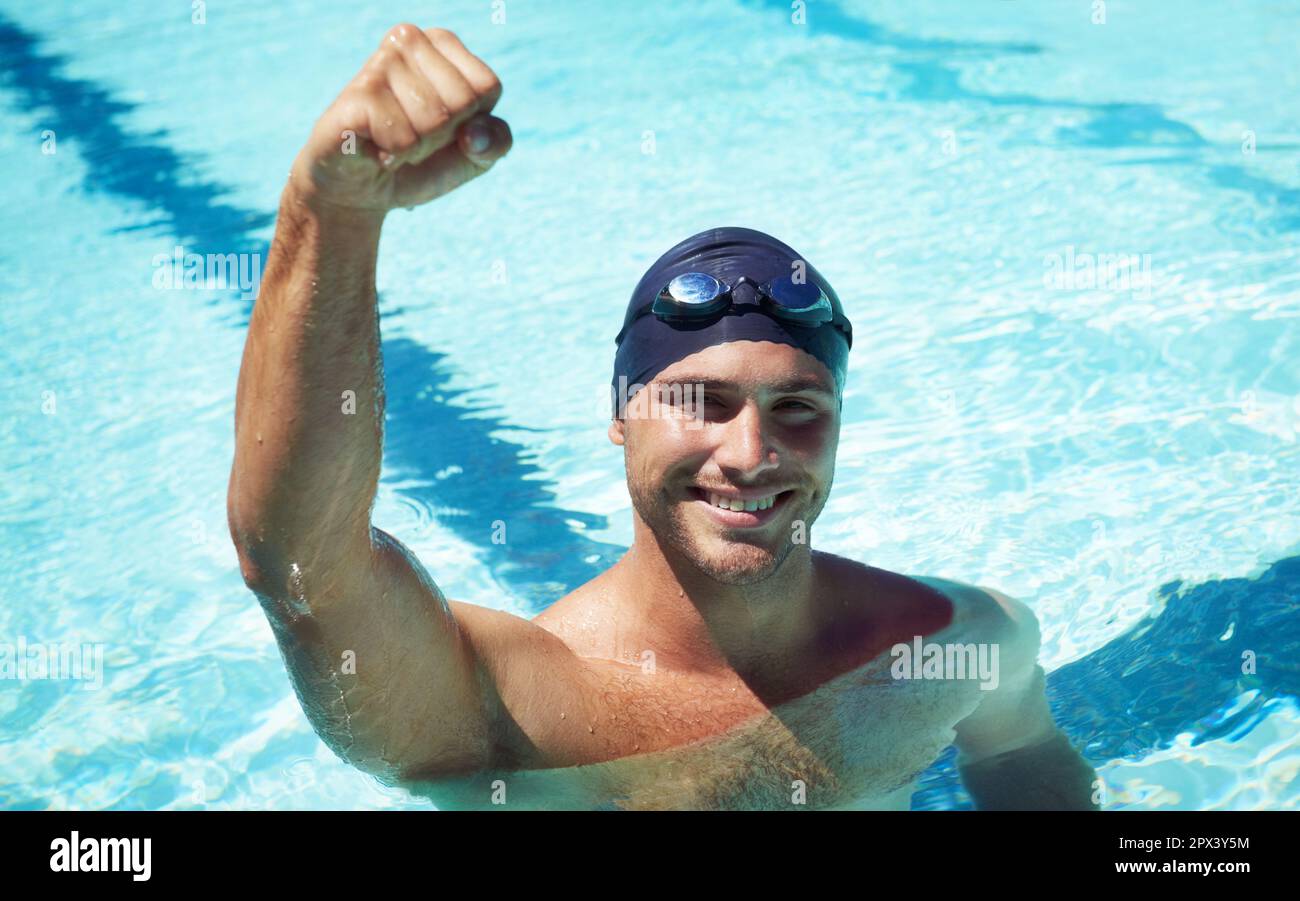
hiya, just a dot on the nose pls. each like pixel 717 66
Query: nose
pixel 743 450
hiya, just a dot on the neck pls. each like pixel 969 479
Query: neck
pixel 694 622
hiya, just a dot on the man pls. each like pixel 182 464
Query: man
pixel 721 663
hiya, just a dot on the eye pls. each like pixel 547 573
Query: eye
pixel 670 394
pixel 704 399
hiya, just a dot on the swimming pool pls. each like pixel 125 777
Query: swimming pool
pixel 1069 254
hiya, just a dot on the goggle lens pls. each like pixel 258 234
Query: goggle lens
pixel 801 301
pixel 698 296
pixel 691 295
pixel 694 288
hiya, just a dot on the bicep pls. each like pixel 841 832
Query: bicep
pixel 445 688
pixel 384 672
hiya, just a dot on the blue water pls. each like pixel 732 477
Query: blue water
pixel 1122 456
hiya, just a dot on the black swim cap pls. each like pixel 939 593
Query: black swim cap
pixel 649 345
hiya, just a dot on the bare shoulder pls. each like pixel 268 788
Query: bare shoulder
pixel 977 610
pixel 568 622
pixel 987 614
pixel 538 680
pixel 889 600
pixel 497 631
pixel 1016 612
pixel 1012 620
pixel 582 618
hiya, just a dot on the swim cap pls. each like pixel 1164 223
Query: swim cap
pixel 648 345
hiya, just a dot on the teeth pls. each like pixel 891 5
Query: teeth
pixel 735 503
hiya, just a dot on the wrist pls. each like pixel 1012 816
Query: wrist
pixel 304 198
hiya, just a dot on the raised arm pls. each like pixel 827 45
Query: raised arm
pixel 390 680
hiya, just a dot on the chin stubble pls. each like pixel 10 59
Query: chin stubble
pixel 749 563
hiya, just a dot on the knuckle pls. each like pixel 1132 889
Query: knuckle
pixel 439 116
pixel 393 133
pixel 401 35
pixel 375 71
pixel 458 100
pixel 430 120
pixel 353 110
pixel 370 83
pixel 490 86
pixel 421 100
pixel 441 36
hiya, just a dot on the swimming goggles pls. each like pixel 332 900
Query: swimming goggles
pixel 697 297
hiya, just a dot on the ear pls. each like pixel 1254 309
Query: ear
pixel 616 435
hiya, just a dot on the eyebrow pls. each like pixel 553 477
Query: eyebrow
pixel 789 385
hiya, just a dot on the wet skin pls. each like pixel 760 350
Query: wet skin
pixel 721 663
pixel 829 728
pixel 728 665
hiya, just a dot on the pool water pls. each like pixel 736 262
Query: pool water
pixel 1068 249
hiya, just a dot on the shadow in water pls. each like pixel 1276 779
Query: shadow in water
pixel 471 479
pixel 546 553
pixel 141 168
pixel 831 18
pixel 1177 672
pixel 927 76
pixel 1174 673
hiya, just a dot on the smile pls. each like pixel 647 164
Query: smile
pixel 740 510
pixel 738 504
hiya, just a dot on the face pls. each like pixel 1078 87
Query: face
pixel 730 454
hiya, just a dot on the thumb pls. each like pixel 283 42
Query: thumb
pixel 480 142
pixel 484 139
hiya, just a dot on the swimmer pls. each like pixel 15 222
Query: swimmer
pixel 722 662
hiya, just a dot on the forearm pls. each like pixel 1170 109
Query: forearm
pixel 383 669
pixel 307 454
pixel 1050 775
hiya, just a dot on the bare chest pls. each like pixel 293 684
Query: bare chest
pixel 860 739
pixel 849 735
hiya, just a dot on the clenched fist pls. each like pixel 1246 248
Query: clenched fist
pixel 413 125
